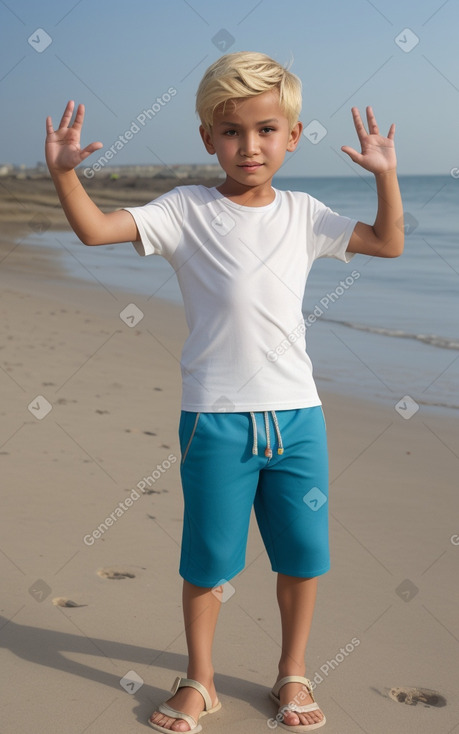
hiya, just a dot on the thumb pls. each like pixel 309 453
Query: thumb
pixel 91 148
pixel 352 153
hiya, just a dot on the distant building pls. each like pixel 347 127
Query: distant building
pixel 6 169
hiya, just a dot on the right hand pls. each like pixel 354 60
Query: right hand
pixel 62 146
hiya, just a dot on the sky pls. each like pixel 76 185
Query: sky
pixel 400 56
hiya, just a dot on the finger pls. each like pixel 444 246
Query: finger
pixel 372 124
pixel 79 117
pixel 391 133
pixel 352 153
pixel 91 148
pixel 67 116
pixel 49 126
pixel 358 124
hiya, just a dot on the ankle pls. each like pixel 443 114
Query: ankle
pixel 204 675
pixel 289 668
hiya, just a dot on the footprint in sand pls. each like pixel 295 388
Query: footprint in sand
pixel 413 696
pixel 115 573
pixel 61 601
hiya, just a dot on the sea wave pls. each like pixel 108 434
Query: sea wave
pixel 432 339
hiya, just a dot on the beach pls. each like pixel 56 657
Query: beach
pixel 92 513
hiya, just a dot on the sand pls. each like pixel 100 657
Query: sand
pixel 90 408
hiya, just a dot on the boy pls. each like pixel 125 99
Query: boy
pixel 242 252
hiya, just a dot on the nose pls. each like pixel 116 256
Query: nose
pixel 249 145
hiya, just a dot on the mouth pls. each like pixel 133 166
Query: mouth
pixel 250 166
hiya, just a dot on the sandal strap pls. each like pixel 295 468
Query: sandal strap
pixel 190 683
pixel 163 708
pixel 293 679
pixel 299 709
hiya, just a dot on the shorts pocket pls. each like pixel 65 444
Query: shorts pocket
pixel 188 425
pixel 323 415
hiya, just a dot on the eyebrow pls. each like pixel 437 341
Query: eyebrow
pixel 262 122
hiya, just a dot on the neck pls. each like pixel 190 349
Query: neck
pixel 247 195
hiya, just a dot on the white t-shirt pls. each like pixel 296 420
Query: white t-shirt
pixel 242 272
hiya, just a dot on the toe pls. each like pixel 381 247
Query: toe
pixel 157 718
pixel 290 718
pixel 180 725
pixel 165 721
pixel 312 718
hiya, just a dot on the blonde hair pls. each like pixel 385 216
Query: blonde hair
pixel 247 74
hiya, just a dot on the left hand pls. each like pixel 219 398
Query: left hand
pixel 378 152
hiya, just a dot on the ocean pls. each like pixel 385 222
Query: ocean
pixel 384 329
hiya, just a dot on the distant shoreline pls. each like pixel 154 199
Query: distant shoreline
pixel 30 204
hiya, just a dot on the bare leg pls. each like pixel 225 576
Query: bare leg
pixel 200 613
pixel 296 598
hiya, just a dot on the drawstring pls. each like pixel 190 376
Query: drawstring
pixel 255 436
pixel 280 447
pixel 268 450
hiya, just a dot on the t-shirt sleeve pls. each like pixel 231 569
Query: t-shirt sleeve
pixel 160 224
pixel 331 232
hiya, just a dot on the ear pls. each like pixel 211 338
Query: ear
pixel 207 140
pixel 295 136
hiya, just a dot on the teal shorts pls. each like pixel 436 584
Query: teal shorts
pixel 275 462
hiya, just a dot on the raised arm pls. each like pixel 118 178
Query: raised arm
pixel 384 238
pixel 63 154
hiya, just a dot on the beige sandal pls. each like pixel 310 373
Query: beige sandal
pixel 165 709
pixel 274 695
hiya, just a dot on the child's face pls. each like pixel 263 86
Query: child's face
pixel 251 138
